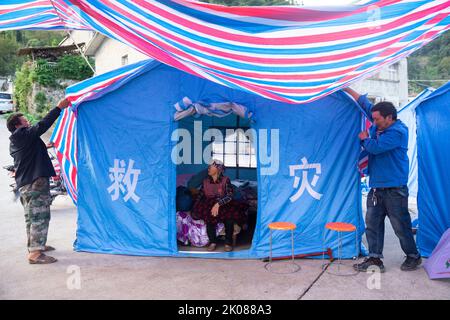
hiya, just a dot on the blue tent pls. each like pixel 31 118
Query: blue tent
pixel 428 121
pixel 408 115
pixel 433 154
pixel 128 133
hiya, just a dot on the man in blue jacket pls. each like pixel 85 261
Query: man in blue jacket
pixel 387 145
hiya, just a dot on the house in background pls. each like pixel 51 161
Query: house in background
pixel 108 54
pixel 389 84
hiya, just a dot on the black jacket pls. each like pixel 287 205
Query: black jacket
pixel 31 159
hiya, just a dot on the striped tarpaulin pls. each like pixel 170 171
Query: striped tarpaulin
pixel 290 54
pixel 40 15
pixel 65 143
pixel 363 162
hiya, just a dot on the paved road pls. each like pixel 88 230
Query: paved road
pixel 124 277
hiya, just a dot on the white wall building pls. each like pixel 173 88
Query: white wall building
pixel 108 54
pixel 389 84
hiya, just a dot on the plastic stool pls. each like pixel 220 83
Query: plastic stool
pixel 282 226
pixel 341 227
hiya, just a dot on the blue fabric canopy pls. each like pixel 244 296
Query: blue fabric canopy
pixel 127 179
pixel 433 152
pixel 408 115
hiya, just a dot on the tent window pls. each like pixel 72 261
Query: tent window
pixel 236 149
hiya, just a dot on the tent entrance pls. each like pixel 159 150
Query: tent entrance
pixel 230 140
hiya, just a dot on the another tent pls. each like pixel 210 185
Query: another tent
pixel 127 132
pixel 408 115
pixel 428 121
pixel 433 154
pixel 438 265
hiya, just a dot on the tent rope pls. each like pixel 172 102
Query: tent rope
pixel 81 51
pixel 70 35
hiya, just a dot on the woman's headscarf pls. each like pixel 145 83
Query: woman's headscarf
pixel 219 165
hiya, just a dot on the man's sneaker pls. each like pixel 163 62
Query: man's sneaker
pixel 411 264
pixel 369 262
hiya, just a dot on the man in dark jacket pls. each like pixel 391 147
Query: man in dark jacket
pixel 33 169
pixel 387 145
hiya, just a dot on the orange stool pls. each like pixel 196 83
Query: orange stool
pixel 282 226
pixel 341 227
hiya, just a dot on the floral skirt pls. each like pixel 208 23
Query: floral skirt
pixel 234 210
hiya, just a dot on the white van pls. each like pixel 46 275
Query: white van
pixel 6 102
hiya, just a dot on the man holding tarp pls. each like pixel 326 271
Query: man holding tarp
pixel 33 168
pixel 387 145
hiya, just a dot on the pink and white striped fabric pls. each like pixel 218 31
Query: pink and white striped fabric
pixel 65 143
pixel 40 15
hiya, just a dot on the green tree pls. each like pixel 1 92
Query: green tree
pixel 74 67
pixel 11 41
pixel 33 38
pixel 41 102
pixel 46 74
pixel 430 64
pixel 444 67
pixel 22 86
pixel 8 56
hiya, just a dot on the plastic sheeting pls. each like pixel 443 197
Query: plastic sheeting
pixel 127 180
pixel 287 53
pixel 438 265
pixel 408 115
pixel 433 151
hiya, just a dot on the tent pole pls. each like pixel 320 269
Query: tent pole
pixel 81 52
pixel 68 32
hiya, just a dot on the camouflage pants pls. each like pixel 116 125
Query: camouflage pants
pixel 36 200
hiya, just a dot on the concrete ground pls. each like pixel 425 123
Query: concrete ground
pixel 98 276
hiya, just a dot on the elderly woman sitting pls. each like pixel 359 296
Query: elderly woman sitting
pixel 215 204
